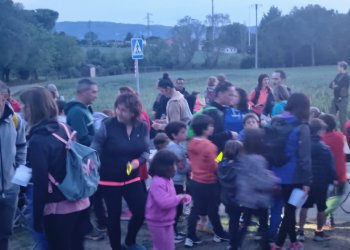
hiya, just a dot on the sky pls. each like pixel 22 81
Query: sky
pixel 168 12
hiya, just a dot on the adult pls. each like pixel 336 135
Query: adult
pixel 159 106
pixel 340 86
pixel 224 93
pixel 123 145
pixel 278 77
pixel 180 86
pixel 79 111
pixel 177 108
pixel 12 153
pixel 239 107
pixel 261 98
pixel 79 116
pixel 54 92
pixel 144 116
pixel 296 173
pixel 62 220
pixel 209 93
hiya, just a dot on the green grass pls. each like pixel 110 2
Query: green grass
pixel 313 81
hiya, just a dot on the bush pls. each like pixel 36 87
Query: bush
pixel 247 62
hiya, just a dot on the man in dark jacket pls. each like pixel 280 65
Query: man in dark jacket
pixel 12 154
pixel 191 99
pixel 340 86
pixel 79 113
pixel 79 118
pixel 323 174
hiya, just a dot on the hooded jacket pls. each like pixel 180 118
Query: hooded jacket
pixel 12 148
pixel 220 135
pixel 298 148
pixel 177 108
pixel 80 119
pixel 46 154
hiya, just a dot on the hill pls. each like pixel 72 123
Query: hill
pixel 109 30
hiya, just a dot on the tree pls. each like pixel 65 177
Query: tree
pixel 273 14
pixel 91 37
pixel 67 54
pixel 186 36
pixel 46 18
pixel 128 37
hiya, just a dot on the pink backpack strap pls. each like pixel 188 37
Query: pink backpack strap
pixel 70 135
pixel 52 180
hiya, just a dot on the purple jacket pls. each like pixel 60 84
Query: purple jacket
pixel 161 202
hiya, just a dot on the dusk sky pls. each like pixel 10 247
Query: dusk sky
pixel 168 12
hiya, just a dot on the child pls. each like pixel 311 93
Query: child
pixel 177 133
pixel 281 95
pixel 210 91
pixel 252 186
pixel 160 141
pixel 323 174
pixel 335 140
pixel 250 120
pixel 162 200
pixel 204 185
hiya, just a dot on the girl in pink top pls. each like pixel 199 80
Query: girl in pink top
pixel 162 200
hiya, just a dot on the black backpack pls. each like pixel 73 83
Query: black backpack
pixel 276 137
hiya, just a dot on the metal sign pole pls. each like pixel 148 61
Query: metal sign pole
pixel 137 76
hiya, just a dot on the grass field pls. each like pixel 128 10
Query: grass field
pixel 313 81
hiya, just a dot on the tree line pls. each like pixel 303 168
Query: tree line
pixel 307 36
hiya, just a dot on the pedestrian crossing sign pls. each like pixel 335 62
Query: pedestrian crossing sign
pixel 136 48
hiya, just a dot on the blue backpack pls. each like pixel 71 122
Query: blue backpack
pixel 82 164
pixel 233 120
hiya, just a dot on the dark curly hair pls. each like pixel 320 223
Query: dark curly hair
pixel 131 102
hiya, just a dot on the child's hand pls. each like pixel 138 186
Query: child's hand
pixel 234 135
pixel 186 199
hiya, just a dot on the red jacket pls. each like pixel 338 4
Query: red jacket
pixel 347 132
pixel 335 140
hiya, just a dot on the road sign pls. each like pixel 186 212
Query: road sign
pixel 136 48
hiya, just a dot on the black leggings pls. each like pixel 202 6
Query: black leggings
pixel 135 197
pixel 66 231
pixel 288 222
pixel 238 232
pixel 205 198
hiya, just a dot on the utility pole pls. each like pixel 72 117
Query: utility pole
pixel 212 19
pixel 249 23
pixel 148 18
pixel 256 35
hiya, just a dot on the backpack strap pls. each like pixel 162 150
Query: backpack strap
pixel 70 135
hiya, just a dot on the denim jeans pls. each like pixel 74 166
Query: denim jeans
pixel 8 207
pixel 39 238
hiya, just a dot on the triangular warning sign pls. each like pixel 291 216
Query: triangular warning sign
pixel 137 48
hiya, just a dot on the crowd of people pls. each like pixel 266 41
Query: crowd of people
pixel 249 152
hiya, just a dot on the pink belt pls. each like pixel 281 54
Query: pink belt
pixel 118 184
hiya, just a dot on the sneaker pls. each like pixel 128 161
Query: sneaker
pixel 126 215
pixel 178 238
pixel 191 242
pixel 134 247
pixel 274 247
pixel 296 246
pixel 321 236
pixel 95 235
pixel 300 236
pixel 220 238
